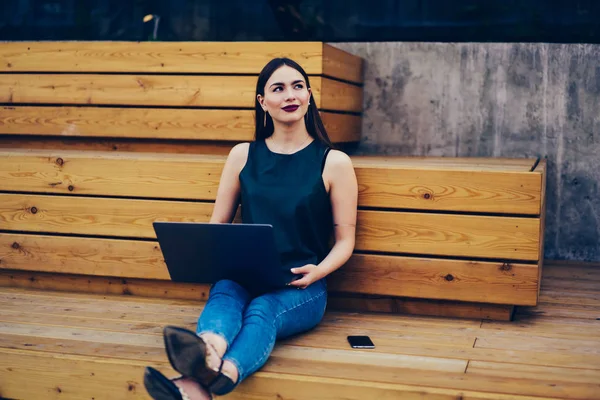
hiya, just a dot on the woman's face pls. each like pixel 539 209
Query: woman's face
pixel 286 95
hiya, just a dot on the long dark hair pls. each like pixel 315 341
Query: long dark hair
pixel 314 124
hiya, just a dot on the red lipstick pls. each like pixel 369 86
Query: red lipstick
pixel 290 108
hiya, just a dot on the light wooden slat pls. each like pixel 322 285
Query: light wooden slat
pixel 32 373
pixel 342 65
pixel 547 326
pixel 520 371
pixel 448 235
pixel 316 363
pixel 450 163
pixel 564 310
pixel 350 365
pixel 159 90
pixel 513 284
pixel 144 175
pixel 399 305
pixel 507 192
pixel 113 145
pixel 86 256
pixel 169 290
pixel 542 344
pixel 92 216
pixel 148 123
pixel 176 57
pixel 151 175
pixel 398 232
pixel 102 285
pixel 558 359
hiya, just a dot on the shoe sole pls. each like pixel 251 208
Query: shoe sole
pixel 159 387
pixel 187 353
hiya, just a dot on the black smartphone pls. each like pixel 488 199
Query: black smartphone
pixel 361 342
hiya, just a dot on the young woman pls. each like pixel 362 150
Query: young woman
pixel 289 178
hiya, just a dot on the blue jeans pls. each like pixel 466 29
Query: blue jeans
pixel 250 326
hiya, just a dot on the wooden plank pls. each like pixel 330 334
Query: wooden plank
pixel 106 173
pixel 98 378
pixel 486 282
pixel 397 232
pixel 389 346
pixel 359 366
pixel 452 163
pixel 161 90
pixel 113 145
pixel 94 216
pixel 501 283
pixel 342 65
pixel 520 371
pixel 448 235
pixel 86 256
pixel 439 188
pixel 564 310
pixel 149 123
pixel 546 326
pixel 442 308
pixel 336 95
pixel 55 376
pixel 542 344
pixel 315 58
pixel 171 290
pixel 102 285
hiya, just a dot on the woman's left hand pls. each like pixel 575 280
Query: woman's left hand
pixel 310 274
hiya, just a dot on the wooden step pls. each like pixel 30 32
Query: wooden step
pixel 316 58
pixel 144 123
pixel 469 185
pixel 162 90
pixel 489 282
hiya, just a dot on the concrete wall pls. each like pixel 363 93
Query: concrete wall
pixel 496 100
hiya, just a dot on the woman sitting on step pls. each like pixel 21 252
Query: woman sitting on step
pixel 288 178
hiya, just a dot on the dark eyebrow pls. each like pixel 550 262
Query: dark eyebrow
pixel 281 83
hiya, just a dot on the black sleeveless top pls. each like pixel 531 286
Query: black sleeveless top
pixel 288 192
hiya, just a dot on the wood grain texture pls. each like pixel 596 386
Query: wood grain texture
pixel 86 256
pixel 342 65
pixel 513 284
pixel 114 145
pixel 91 216
pixel 119 379
pixel 160 90
pixel 442 308
pixel 148 123
pixel 89 284
pixel 448 235
pixel 309 361
pixel 500 283
pixel 395 232
pixel 315 58
pixel 397 182
pixel 102 285
pixel 118 174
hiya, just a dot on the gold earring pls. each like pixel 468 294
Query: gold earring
pixel 265 121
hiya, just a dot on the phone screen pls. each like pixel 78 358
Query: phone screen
pixel 361 342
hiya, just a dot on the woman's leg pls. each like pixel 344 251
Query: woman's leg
pixel 218 324
pixel 270 317
pixel 221 320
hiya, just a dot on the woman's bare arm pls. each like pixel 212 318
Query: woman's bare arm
pixel 228 194
pixel 339 175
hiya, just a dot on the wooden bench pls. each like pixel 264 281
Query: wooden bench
pixel 98 140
